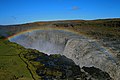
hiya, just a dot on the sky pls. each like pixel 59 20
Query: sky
pixel 25 11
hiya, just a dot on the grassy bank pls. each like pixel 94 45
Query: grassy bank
pixel 11 65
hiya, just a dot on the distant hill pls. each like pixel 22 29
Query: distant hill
pixel 97 21
pixel 62 23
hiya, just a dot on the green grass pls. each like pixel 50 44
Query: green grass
pixel 11 65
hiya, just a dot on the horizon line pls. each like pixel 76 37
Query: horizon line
pixel 56 21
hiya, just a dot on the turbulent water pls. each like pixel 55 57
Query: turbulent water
pixel 83 51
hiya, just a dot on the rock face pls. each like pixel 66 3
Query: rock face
pixel 88 53
pixel 83 51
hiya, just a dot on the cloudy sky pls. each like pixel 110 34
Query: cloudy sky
pixel 23 11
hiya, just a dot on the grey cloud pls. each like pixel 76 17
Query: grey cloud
pixel 75 8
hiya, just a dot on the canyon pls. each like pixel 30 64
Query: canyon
pixel 81 49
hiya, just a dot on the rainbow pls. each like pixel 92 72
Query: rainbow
pixel 36 29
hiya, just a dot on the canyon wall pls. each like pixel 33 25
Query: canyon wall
pixel 89 53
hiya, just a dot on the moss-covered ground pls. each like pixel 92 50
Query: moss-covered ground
pixel 11 65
